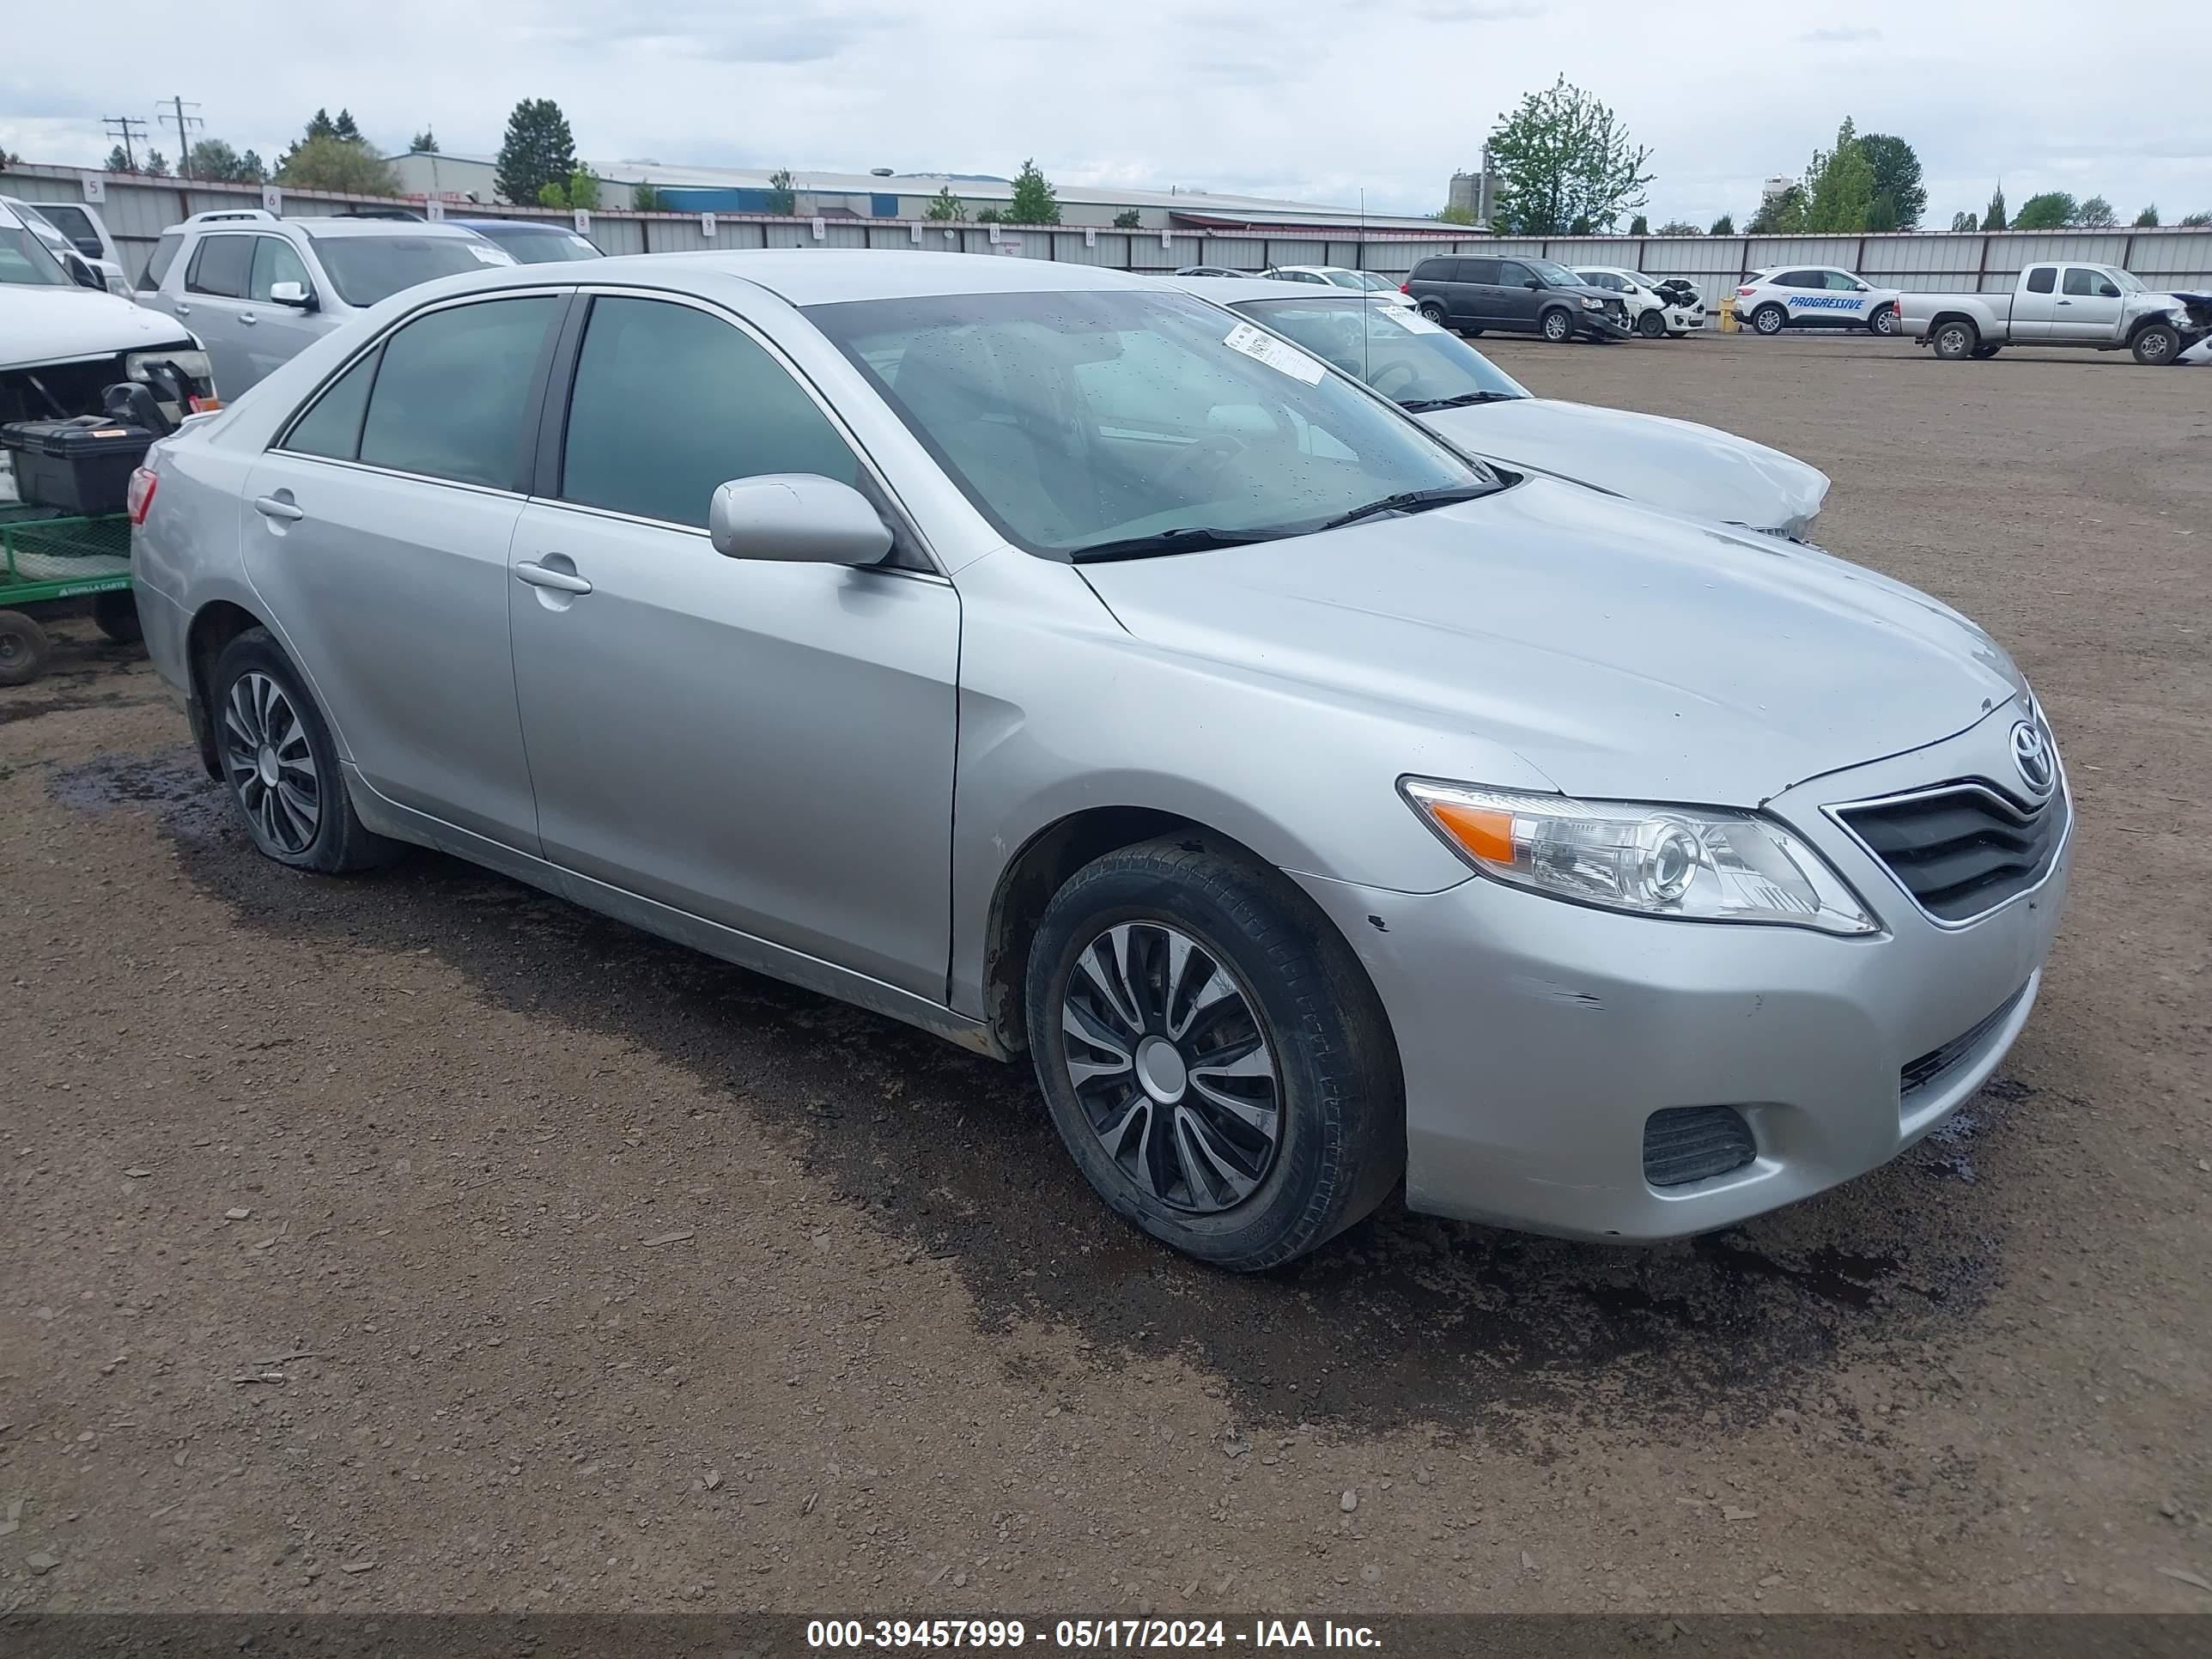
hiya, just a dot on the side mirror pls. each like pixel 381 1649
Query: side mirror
pixel 83 274
pixel 796 518
pixel 294 294
pixel 1532 283
pixel 2108 292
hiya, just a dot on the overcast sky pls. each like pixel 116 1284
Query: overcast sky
pixel 1314 99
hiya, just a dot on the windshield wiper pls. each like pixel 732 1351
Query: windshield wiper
pixel 1423 405
pixel 1409 500
pixel 1183 538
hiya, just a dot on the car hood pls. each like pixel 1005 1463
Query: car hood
pixel 1672 463
pixel 65 325
pixel 1618 652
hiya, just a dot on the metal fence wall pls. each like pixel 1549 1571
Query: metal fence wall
pixel 137 210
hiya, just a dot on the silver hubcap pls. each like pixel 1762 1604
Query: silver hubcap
pixel 1170 1067
pixel 266 756
pixel 2155 346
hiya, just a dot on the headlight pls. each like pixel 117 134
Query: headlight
pixel 189 361
pixel 1693 863
pixel 1593 305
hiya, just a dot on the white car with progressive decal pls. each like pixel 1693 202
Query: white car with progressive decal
pixel 1813 296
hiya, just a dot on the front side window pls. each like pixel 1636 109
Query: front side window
pixel 165 255
pixel 24 261
pixel 1109 424
pixel 274 260
pixel 1406 358
pixel 1842 280
pixel 732 411
pixel 368 268
pixel 220 267
pixel 2044 279
pixel 1553 276
pixel 452 399
pixel 1513 274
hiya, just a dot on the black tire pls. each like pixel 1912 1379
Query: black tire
pixel 1983 353
pixel 1557 326
pixel 24 648
pixel 1768 319
pixel 335 841
pixel 1434 311
pixel 1652 325
pixel 116 615
pixel 1956 339
pixel 1884 321
pixel 2158 345
pixel 1339 1106
pixel 1472 333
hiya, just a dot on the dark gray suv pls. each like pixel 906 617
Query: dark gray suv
pixel 1520 294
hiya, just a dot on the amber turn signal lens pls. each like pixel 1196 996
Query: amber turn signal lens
pixel 1486 834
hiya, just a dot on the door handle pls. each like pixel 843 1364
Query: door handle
pixel 183 311
pixel 2065 302
pixel 560 580
pixel 269 507
pixel 246 317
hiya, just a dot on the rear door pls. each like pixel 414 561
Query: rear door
pixel 2088 309
pixel 379 537
pixel 2034 309
pixel 215 288
pixel 1475 293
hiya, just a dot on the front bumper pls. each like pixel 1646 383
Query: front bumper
pixel 1603 325
pixel 1538 1036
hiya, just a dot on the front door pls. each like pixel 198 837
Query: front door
pixel 272 334
pixel 769 746
pixel 2088 309
pixel 1518 303
pixel 377 530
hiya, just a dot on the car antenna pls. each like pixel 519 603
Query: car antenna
pixel 1366 300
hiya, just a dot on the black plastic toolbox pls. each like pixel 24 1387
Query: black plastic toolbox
pixel 82 467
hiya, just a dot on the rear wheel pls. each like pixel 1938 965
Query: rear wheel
pixel 1434 311
pixel 1768 319
pixel 1214 1058
pixel 280 766
pixel 2159 344
pixel 1983 353
pixel 23 648
pixel 1651 326
pixel 1956 339
pixel 1557 327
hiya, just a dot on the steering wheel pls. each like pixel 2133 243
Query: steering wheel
pixel 1402 370
pixel 1200 462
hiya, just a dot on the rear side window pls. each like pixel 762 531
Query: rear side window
pixel 733 412
pixel 2042 279
pixel 220 267
pixel 165 255
pixel 452 397
pixel 1436 270
pixel 1478 270
pixel 332 426
pixel 1799 279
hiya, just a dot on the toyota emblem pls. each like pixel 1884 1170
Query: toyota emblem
pixel 2031 753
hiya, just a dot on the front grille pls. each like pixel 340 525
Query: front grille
pixel 1932 1068
pixel 1694 1143
pixel 1961 849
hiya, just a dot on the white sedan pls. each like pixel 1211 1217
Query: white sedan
pixel 1360 282
pixel 1813 296
pixel 1657 307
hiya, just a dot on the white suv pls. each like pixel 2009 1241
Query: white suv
pixel 1813 296
pixel 259 290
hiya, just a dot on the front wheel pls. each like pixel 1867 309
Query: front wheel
pixel 1557 327
pixel 2159 344
pixel 1956 339
pixel 1651 326
pixel 1214 1058
pixel 1883 321
pixel 1768 319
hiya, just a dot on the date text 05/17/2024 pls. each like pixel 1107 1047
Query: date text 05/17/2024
pixel 1084 1634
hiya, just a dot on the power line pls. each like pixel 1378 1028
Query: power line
pixel 128 128
pixel 175 106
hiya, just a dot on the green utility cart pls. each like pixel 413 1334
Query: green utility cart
pixel 44 557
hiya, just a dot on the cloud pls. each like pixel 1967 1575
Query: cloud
pixel 1473 11
pixel 1846 36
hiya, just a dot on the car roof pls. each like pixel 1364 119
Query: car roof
pixel 1229 290
pixel 322 229
pixel 808 277
pixel 529 227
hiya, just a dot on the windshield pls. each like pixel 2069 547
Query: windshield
pixel 2126 281
pixel 1550 274
pixel 368 268
pixel 25 262
pixel 542 248
pixel 1087 422
pixel 1400 353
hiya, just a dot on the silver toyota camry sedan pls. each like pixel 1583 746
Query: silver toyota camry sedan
pixel 1055 662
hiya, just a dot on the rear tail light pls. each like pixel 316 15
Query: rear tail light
pixel 1745 293
pixel 140 496
pixel 1405 287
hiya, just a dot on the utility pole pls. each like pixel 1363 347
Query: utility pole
pixel 176 106
pixel 126 128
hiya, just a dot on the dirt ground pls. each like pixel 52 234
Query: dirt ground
pixel 418 1242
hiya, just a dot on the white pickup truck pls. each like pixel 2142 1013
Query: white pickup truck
pixel 2062 304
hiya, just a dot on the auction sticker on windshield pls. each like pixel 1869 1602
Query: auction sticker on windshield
pixel 1257 343
pixel 1410 320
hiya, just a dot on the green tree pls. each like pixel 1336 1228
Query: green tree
pixel 2097 214
pixel 1723 226
pixel 215 160
pixel 157 165
pixel 583 190
pixel 425 143
pixel 1780 214
pixel 344 128
pixel 2051 209
pixel 1965 222
pixel 1994 219
pixel 1035 201
pixel 1839 185
pixel 2147 219
pixel 647 198
pixel 946 208
pixel 1457 216
pixel 1581 226
pixel 539 150
pixel 2197 221
pixel 118 163
pixel 553 193
pixel 1679 227
pixel 990 215
pixel 1126 219
pixel 338 164
pixel 1896 178
pixel 781 198
pixel 1563 156
pixel 1639 226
